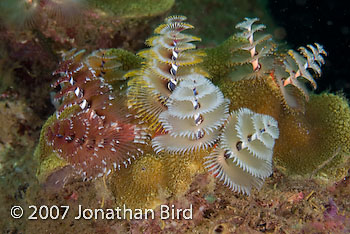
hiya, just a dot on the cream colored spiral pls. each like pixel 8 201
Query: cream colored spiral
pixel 244 157
pixel 196 111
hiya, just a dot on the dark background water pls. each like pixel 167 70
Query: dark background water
pixel 299 22
pixel 325 22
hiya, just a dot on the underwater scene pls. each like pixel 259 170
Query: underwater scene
pixel 164 116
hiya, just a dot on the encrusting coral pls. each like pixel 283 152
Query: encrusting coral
pixel 187 115
pixel 302 135
pixel 153 178
pixel 27 13
pixel 143 184
pixel 320 135
pixel 281 93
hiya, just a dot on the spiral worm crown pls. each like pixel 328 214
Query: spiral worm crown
pixel 244 157
pixel 97 137
pixel 196 111
pixel 170 59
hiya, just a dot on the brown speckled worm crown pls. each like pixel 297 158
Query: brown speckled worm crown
pixel 96 137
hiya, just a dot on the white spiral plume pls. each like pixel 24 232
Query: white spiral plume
pixel 297 70
pixel 196 111
pixel 233 176
pixel 253 58
pixel 244 157
pixel 298 66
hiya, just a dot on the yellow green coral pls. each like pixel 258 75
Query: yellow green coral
pixel 143 184
pixel 152 178
pixel 127 59
pixel 306 140
pixel 218 60
pixel 326 134
pixel 48 165
pixel 332 113
pixel 313 132
pixel 182 168
pixel 260 95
